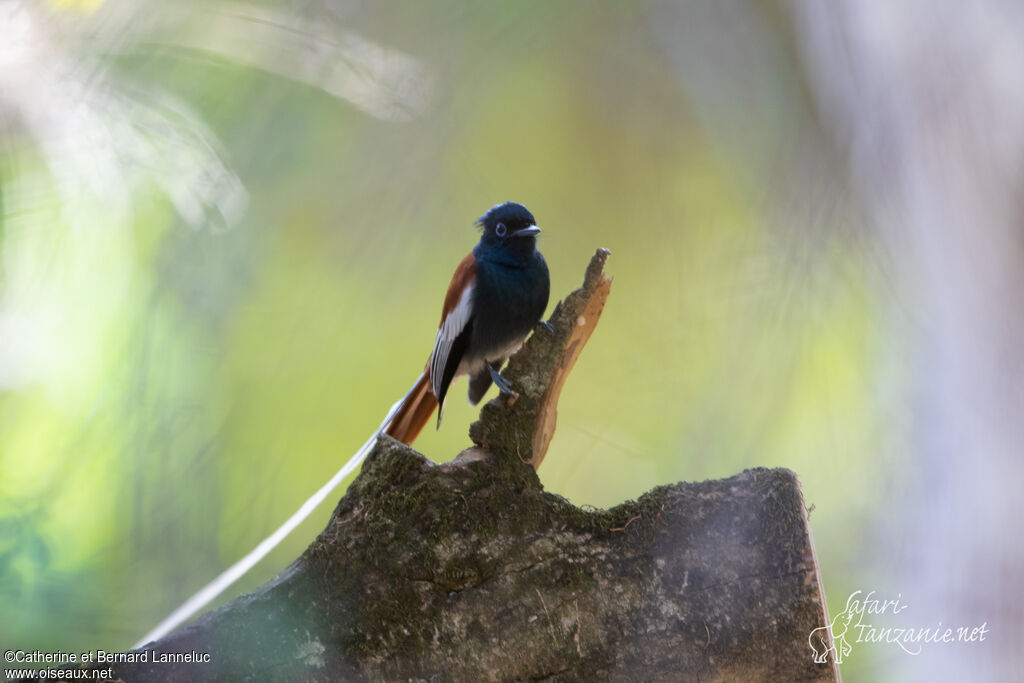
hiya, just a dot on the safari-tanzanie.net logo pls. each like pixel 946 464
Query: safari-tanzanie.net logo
pixel 866 620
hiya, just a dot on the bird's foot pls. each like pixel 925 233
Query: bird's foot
pixel 548 327
pixel 500 382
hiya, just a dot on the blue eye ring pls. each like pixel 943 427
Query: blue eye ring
pixel 500 230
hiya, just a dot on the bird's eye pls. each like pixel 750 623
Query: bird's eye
pixel 500 229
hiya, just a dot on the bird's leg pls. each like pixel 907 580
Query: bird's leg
pixel 548 327
pixel 499 381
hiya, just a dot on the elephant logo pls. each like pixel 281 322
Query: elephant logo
pixel 832 638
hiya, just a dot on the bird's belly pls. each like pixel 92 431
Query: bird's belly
pixel 508 303
pixel 470 365
pixel 503 352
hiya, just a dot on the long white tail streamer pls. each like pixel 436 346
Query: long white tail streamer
pixel 211 590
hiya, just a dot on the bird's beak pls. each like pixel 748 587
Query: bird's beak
pixel 527 232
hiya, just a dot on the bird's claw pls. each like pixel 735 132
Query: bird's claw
pixel 548 326
pixel 500 382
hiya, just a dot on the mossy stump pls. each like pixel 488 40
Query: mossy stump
pixel 470 571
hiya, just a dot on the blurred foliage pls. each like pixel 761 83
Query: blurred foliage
pixel 178 376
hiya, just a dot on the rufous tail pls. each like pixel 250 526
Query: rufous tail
pixel 414 413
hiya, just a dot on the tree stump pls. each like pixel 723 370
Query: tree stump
pixel 470 571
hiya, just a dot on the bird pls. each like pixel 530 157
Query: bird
pixel 496 298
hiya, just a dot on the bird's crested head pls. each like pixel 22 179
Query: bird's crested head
pixel 508 226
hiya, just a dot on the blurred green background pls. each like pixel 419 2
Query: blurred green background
pixel 227 230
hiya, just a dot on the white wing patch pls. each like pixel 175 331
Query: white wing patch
pixel 452 327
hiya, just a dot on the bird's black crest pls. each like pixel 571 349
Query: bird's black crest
pixel 510 213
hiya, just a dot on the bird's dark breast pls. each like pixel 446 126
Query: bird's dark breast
pixel 509 302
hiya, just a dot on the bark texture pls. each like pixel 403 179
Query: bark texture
pixel 470 571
